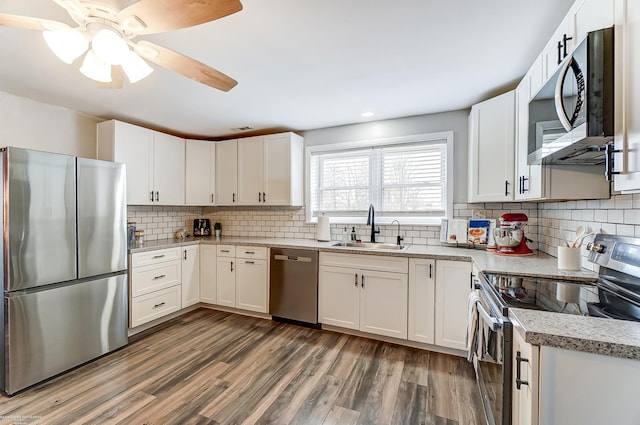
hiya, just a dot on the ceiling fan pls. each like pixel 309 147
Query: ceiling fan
pixel 110 31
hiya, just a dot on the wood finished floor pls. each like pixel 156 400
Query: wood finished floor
pixel 211 367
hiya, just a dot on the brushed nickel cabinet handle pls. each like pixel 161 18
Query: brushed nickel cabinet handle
pixel 158 256
pixel 162 276
pixel 159 305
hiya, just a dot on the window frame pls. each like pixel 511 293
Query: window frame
pixel 390 141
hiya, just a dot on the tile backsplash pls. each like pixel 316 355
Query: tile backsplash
pixel 549 222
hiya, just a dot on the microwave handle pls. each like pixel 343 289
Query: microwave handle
pixel 567 122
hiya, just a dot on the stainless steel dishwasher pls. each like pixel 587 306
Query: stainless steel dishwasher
pixel 294 286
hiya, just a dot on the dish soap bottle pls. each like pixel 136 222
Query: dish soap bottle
pixel 354 235
pixel 345 235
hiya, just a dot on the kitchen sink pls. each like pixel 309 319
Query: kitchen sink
pixel 372 245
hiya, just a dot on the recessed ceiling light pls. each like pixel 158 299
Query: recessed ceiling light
pixel 366 114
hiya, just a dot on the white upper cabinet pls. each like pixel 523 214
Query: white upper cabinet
pixel 627 97
pixel 283 169
pixel 270 170
pixel 154 160
pixel 491 149
pixel 528 177
pixel 226 172
pixel 559 46
pixel 250 170
pixel 200 172
pixel 590 15
pixel 168 169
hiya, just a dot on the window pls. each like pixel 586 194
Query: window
pixel 402 177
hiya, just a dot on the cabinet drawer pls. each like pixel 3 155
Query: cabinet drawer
pixel 257 252
pixel 226 251
pixel 368 262
pixel 148 279
pixel 155 305
pixel 154 257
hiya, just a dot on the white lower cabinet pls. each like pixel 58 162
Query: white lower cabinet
pixel 251 285
pixel 362 297
pixel 190 275
pixel 242 278
pixel 453 279
pixel 208 278
pixel 422 290
pixel 226 281
pixel 524 404
pixel 155 285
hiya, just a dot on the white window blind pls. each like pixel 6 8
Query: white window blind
pixel 400 180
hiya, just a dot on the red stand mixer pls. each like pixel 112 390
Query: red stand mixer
pixel 510 238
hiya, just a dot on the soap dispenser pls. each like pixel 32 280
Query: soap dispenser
pixel 354 235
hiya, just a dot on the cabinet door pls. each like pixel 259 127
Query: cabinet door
pixel 200 172
pixel 591 15
pixel 252 285
pixel 528 177
pixel 627 98
pixel 552 55
pixel 208 278
pixel 277 169
pixel 226 281
pixel 190 275
pixel 134 147
pixel 525 399
pixel 383 303
pixel 492 150
pixel 421 300
pixel 339 297
pixel 226 172
pixel 452 291
pixel 168 169
pixel 250 171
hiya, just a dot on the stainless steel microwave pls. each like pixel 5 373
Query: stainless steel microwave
pixel 571 117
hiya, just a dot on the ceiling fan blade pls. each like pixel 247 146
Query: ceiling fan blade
pixel 186 66
pixel 117 79
pixel 168 15
pixel 30 23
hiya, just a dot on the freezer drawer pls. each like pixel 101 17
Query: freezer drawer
pixel 53 330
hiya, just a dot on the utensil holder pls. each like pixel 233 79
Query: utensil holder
pixel 568 258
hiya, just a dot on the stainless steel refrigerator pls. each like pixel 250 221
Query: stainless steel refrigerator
pixel 64 254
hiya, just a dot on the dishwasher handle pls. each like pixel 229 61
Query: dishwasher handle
pixel 292 258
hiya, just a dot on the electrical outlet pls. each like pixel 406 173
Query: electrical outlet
pixel 478 214
pixel 291 215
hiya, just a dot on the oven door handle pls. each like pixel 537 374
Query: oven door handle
pixel 494 323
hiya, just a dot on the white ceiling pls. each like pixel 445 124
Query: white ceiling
pixel 302 64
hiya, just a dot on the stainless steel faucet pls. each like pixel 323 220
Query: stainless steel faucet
pixel 399 238
pixel 371 221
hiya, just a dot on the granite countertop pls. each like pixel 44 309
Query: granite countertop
pixel 539 265
pixel 609 337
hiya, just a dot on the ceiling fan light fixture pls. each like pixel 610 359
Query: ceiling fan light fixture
pixel 136 68
pixel 96 69
pixel 67 44
pixel 110 47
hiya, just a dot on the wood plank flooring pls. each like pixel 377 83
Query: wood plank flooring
pixel 212 367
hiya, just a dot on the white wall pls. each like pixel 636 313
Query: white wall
pixel 456 121
pixel 29 124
